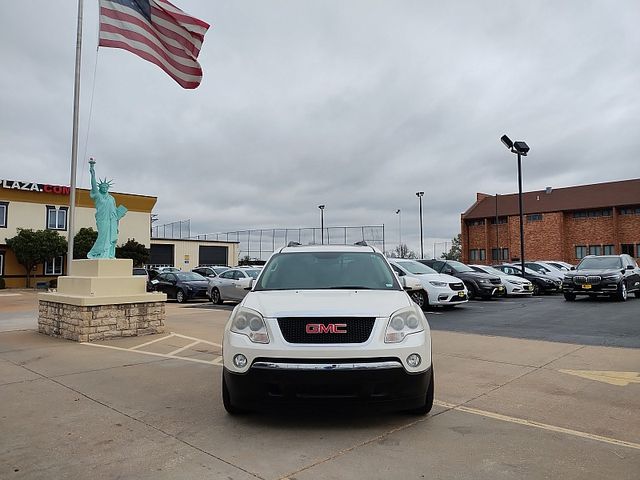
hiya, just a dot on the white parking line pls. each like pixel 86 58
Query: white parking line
pixel 542 426
pixel 153 341
pixel 163 355
pixel 181 349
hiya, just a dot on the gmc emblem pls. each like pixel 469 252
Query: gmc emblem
pixel 313 328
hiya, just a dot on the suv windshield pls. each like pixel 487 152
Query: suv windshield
pixel 459 267
pixel 600 263
pixel 327 270
pixel 414 267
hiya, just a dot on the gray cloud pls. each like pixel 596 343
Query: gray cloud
pixel 356 105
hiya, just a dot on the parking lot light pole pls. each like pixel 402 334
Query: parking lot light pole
pixel 321 207
pixel 399 213
pixel 520 149
pixel 420 195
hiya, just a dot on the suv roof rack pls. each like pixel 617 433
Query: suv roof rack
pixel 362 243
pixel 294 244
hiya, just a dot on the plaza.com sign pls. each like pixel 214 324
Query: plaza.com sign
pixel 35 187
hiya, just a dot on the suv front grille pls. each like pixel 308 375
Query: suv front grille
pixel 591 279
pixel 325 329
pixel 456 286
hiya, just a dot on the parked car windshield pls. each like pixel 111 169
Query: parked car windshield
pixel 492 271
pixel 459 266
pixel 327 270
pixel 188 276
pixel 414 267
pixel 600 263
pixel 252 272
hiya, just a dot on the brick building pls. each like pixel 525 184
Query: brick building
pixel 559 224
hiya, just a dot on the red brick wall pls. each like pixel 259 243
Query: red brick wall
pixel 554 237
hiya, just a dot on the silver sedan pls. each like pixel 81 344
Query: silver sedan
pixel 231 285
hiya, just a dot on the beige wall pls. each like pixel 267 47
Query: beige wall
pixel 191 248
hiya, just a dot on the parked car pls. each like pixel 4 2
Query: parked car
pixel 155 271
pixel 513 284
pixel 541 283
pixel 145 272
pixel 210 271
pixel 437 288
pixel 478 284
pixel 182 286
pixel 613 275
pixel 327 324
pixel 542 269
pixel 562 266
pixel 232 284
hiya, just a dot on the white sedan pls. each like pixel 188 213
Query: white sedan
pixel 437 288
pixel 515 285
pixel 232 284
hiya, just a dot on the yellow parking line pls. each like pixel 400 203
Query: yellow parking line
pixel 542 426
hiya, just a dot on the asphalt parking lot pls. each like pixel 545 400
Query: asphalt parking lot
pixel 525 388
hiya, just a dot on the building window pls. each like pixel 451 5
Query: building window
pixel 473 254
pixel 4 207
pixel 505 254
pixel 483 254
pixel 501 220
pixel 535 217
pixel 581 251
pixel 495 254
pixel 474 223
pixel 605 212
pixel 595 250
pixel 53 266
pixel 627 248
pixel 630 211
pixel 57 218
pixel 608 250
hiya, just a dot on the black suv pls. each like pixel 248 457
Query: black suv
pixel 479 284
pixel 613 275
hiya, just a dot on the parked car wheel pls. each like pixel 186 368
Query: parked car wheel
pixel 569 297
pixel 181 297
pixel 536 289
pixel 622 292
pixel 421 298
pixel 428 400
pixel 215 297
pixel 472 292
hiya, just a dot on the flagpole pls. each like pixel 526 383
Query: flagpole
pixel 74 141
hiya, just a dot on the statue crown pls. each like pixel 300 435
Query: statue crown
pixel 105 182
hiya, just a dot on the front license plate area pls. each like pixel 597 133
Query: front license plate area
pixel 586 286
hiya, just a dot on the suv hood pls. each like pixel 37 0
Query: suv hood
pixel 478 276
pixel 608 271
pixel 319 303
pixel 435 277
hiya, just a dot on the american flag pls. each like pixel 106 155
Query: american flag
pixel 158 32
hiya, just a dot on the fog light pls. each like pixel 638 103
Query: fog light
pixel 240 361
pixel 413 360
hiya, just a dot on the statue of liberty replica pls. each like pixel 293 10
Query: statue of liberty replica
pixel 107 216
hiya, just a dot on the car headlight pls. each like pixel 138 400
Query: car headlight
pixel 546 280
pixel 402 323
pixel 612 278
pixel 484 280
pixel 438 284
pixel 514 282
pixel 250 323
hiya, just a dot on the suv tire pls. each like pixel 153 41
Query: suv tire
pixel 569 297
pixel 637 293
pixel 180 296
pixel 621 295
pixel 215 297
pixel 421 298
pixel 428 399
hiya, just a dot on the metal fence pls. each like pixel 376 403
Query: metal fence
pixel 259 244
pixel 174 230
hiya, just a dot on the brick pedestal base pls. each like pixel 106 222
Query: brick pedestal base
pixel 100 322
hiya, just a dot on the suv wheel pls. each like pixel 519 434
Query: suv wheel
pixel 420 298
pixel 536 290
pixel 622 292
pixel 569 297
pixel 428 399
pixel 472 292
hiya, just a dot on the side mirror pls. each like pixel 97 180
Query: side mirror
pixel 629 267
pixel 250 284
pixel 573 268
pixel 410 283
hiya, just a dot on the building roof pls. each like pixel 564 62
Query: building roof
pixel 597 195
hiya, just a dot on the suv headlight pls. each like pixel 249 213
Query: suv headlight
pixel 610 278
pixel 250 323
pixel 438 284
pixel 402 323
pixel 484 280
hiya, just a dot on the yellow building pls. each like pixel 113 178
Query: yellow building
pixel 40 206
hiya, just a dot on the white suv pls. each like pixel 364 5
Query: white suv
pixel 325 323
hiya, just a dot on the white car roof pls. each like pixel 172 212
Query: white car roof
pixel 328 248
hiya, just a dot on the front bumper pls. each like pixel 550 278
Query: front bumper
pixel 490 290
pixel 448 297
pixel 269 383
pixel 197 293
pixel 609 288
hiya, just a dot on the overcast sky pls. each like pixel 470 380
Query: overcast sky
pixel 353 104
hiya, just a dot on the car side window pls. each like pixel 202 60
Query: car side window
pixel 162 277
pixel 171 277
pixel 228 274
pixel 238 275
pixel 397 270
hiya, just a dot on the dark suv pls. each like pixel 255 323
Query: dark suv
pixel 613 275
pixel 479 284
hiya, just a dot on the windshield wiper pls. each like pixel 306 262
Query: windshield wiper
pixel 350 287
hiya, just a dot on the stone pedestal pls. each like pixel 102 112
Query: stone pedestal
pixel 101 299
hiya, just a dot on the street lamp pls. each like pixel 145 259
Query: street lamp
pixel 399 213
pixel 419 195
pixel 520 149
pixel 321 207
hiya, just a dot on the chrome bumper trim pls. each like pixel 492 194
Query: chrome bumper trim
pixel 328 366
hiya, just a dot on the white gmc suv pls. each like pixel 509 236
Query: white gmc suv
pixel 325 323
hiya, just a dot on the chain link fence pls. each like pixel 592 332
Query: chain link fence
pixel 173 230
